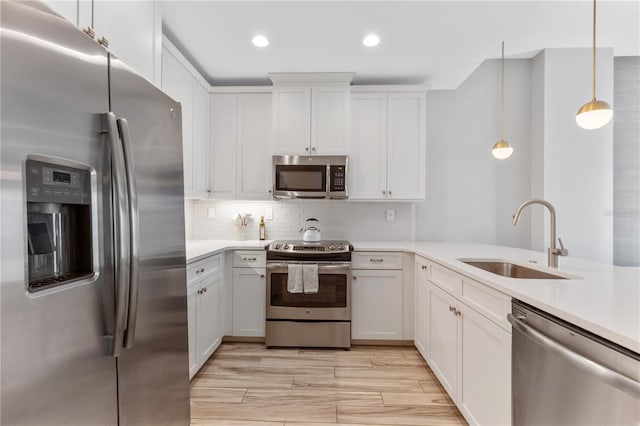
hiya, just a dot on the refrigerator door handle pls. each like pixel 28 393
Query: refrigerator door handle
pixel 130 329
pixel 122 242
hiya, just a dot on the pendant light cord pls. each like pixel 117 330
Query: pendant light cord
pixel 593 65
pixel 502 95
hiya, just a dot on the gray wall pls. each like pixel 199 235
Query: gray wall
pixel 626 162
pixel 471 196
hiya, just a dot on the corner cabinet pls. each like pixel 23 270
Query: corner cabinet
pixel 204 298
pixel 462 332
pixel 181 82
pixel 388 145
pixel 241 129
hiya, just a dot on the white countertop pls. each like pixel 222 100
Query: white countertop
pixel 603 299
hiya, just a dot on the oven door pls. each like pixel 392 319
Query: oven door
pixel 332 302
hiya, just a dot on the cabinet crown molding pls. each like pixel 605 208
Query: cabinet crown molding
pixel 311 78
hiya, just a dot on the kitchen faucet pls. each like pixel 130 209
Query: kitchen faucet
pixel 553 251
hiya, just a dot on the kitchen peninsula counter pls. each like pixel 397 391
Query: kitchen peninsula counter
pixel 603 299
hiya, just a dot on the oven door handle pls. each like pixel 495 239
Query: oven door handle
pixel 322 269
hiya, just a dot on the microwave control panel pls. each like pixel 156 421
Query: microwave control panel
pixel 337 178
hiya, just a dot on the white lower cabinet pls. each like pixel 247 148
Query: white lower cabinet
pixel 204 313
pixel 376 305
pixel 422 308
pixel 443 344
pixel 249 302
pixel 469 353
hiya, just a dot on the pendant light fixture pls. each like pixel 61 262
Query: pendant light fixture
pixel 502 149
pixel 594 114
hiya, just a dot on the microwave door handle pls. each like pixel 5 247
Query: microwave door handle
pixel 130 329
pixel 122 244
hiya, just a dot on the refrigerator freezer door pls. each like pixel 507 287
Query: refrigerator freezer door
pixel 55 365
pixel 153 376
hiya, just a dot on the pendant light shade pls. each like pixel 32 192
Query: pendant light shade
pixel 502 149
pixel 594 114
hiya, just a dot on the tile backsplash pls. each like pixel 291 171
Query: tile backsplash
pixel 356 221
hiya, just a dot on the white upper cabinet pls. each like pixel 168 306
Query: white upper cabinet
pixel 180 82
pixel 388 145
pixel 132 28
pixel 311 113
pixel 241 129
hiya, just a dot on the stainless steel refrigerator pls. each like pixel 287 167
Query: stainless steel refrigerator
pixel 93 283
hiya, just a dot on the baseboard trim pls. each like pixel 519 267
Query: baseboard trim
pixel 242 339
pixel 369 342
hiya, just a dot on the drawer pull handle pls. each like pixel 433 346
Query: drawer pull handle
pixel 376 260
pixel 199 270
pixel 250 259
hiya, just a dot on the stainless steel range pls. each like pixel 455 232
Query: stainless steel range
pixel 309 294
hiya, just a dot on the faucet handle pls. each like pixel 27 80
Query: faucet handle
pixel 562 251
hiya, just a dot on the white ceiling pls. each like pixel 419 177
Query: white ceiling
pixel 438 43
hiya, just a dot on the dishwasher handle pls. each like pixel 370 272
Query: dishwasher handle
pixel 606 374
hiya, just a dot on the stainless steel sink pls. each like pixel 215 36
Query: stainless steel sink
pixel 511 270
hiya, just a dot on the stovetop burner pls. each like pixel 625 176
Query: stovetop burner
pixel 321 250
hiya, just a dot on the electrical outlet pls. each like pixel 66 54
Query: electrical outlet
pixel 211 213
pixel 391 215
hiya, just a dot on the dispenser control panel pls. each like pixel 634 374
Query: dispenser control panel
pixel 52 183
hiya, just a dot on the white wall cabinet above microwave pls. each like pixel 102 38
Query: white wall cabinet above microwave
pixel 388 141
pixel 240 145
pixel 311 113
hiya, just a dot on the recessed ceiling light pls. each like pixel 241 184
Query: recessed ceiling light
pixel 260 41
pixel 371 40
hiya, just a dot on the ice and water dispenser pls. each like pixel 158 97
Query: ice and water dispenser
pixel 58 224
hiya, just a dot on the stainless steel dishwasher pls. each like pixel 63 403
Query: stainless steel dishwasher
pixel 564 375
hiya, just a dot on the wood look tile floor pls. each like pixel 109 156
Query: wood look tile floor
pixel 245 384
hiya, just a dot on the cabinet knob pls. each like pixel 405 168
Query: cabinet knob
pixel 389 192
pixel 261 275
pixel 89 32
pixel 384 192
pixel 313 148
pixel 204 290
pixel 424 268
pixel 450 308
pixel 103 42
pixel 306 149
pixel 354 277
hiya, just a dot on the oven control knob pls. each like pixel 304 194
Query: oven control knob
pixel 340 247
pixel 286 247
pixel 277 246
pixel 332 247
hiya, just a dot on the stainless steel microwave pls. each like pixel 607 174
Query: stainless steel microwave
pixel 310 176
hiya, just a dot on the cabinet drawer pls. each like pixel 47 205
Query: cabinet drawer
pixel 204 267
pixel 376 260
pixel 487 301
pixel 249 259
pixel 446 279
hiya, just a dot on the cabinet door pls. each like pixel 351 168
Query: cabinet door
pixel 249 302
pixel 254 145
pixel 292 120
pixel 133 30
pixel 422 308
pixel 178 83
pixel 485 382
pixel 192 317
pixel 375 292
pixel 201 141
pixel 443 339
pixel 223 122
pixel 208 316
pixel 368 147
pixel 406 146
pixel 329 120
